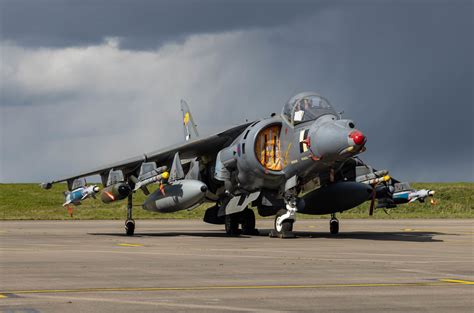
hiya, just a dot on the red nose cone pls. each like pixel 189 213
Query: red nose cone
pixel 357 137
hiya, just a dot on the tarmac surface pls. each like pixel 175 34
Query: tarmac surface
pixel 190 266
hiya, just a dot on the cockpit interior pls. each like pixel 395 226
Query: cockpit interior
pixel 305 107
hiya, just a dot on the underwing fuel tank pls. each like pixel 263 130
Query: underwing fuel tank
pixel 179 195
pixel 334 198
pixel 118 191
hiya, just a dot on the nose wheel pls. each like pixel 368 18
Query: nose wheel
pixel 334 225
pixel 284 219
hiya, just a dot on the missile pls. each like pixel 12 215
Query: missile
pixel 410 196
pixel 79 194
pixel 421 195
pixel 375 181
pixel 368 177
pixel 151 180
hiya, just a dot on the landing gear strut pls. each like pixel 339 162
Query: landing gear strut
pixel 246 218
pixel 334 224
pixel 232 224
pixel 284 219
pixel 248 222
pixel 130 222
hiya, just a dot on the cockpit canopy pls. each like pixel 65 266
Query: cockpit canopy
pixel 306 106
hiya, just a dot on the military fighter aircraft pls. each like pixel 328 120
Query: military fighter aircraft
pixel 303 160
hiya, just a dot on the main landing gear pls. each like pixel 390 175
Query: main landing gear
pixel 334 224
pixel 130 222
pixel 284 220
pixel 246 218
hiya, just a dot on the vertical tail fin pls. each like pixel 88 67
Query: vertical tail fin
pixel 190 128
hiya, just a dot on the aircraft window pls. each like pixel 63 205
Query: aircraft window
pixel 306 107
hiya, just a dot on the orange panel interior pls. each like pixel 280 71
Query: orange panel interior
pixel 267 148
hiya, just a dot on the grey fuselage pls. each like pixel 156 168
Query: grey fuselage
pixel 305 150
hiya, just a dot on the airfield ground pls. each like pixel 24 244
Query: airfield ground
pixel 186 265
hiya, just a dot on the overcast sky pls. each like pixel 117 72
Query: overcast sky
pixel 84 83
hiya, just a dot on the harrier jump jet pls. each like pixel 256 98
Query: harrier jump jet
pixel 303 160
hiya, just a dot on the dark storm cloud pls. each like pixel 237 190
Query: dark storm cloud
pixel 142 24
pixel 403 71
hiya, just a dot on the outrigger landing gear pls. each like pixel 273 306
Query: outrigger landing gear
pixel 334 224
pixel 284 219
pixel 130 222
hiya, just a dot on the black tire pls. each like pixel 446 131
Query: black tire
pixel 130 227
pixel 232 224
pixel 286 226
pixel 334 227
pixel 248 219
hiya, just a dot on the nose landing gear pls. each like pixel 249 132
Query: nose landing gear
pixel 284 220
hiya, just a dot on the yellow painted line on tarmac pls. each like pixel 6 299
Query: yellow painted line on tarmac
pixel 458 281
pixel 411 230
pixel 239 287
pixel 130 245
pixel 2 296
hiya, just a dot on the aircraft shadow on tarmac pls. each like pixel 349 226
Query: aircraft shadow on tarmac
pixel 414 236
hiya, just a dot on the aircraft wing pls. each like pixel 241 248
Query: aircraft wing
pixel 190 149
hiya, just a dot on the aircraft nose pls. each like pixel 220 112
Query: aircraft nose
pixel 357 137
pixel 334 139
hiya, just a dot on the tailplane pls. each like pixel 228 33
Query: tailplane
pixel 190 128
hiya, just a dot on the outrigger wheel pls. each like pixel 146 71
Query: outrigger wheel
pixel 130 227
pixel 130 222
pixel 334 225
